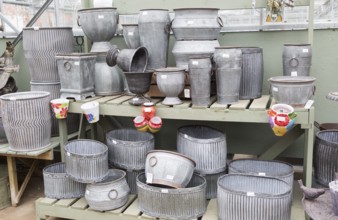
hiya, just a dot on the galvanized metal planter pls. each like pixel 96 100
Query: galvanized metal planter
pixel 297 59
pixel 205 145
pixel 128 148
pixel 112 193
pixel 131 177
pixel 228 81
pixel 58 185
pixel 228 57
pixel 131 35
pixel 86 161
pixel 211 189
pixel 167 203
pixel 242 197
pixel 27 120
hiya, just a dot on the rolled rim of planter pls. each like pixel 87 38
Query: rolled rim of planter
pixel 45 28
pixel 116 135
pixel 104 149
pixel 22 96
pixel 325 141
pixel 184 130
pixel 292 79
pixel 96 9
pixel 114 175
pixel 179 9
pixel 174 153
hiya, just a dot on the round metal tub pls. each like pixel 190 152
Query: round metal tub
pixel 86 160
pixel 167 203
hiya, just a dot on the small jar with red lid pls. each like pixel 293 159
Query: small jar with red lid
pixel 155 124
pixel 148 110
pixel 141 123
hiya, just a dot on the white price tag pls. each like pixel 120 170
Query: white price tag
pixel 186 93
pixel 275 89
pixel 261 174
pixel 12 99
pixel 309 104
pixel 294 73
pixel 114 142
pixel 280 118
pixel 185 136
pixel 305 50
pixel 87 192
pixel 100 16
pixel 36 28
pixel 163 76
pixel 169 177
pixel 194 62
pixel 190 22
pixel 225 55
pixel 149 178
pixel 77 63
pixel 164 190
pixel 274 16
pixel 250 193
pixel 145 13
pixel 147 110
pixel 131 33
pixel 68 154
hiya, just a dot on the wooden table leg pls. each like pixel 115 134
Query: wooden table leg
pixel 13 179
pixel 26 180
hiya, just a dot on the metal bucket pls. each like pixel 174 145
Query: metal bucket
pixel 131 35
pixel 252 73
pixel 200 80
pixel 292 90
pixel 131 176
pixel 228 82
pixel 166 203
pixel 169 168
pixel 112 193
pixel 86 161
pixel 260 198
pixel 5 198
pixel 228 57
pixel 185 50
pixel 76 71
pixel 58 185
pixel 297 59
pixel 40 45
pixel 128 148
pixel 205 145
pixel 196 24
pixel 211 189
pixel 325 156
pixel 27 120
pixel 154 30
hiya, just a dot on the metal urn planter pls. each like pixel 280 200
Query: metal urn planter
pixel 167 203
pixel 40 45
pixel 128 148
pixel 27 120
pixel 131 35
pixel 111 193
pixel 99 25
pixel 86 160
pixel 139 84
pixel 297 59
pixel 58 185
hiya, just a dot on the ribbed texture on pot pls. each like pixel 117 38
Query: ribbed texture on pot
pixel 58 185
pixel 211 190
pixel 166 203
pixel 228 81
pixel 128 148
pixel 3 137
pixel 297 59
pixel 242 197
pixel 325 156
pixel 27 120
pixel 252 73
pixel 131 179
pixel 40 47
pixel 109 194
pixel 205 145
pixel 86 161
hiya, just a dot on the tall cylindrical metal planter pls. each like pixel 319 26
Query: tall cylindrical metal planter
pixel 27 120
pixel 154 30
pixel 297 59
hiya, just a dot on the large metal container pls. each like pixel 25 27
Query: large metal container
pixel 169 168
pixel 5 199
pixel 211 189
pixel 58 185
pixel 196 24
pixel 128 148
pixel 297 59
pixel 292 90
pixel 112 193
pixel 252 73
pixel 325 156
pixel 40 45
pixel 131 177
pixel 76 71
pixel 167 203
pixel 228 57
pixel 154 30
pixel 131 35
pixel 228 81
pixel 205 145
pixel 253 197
pixel 185 50
pixel 86 160
pixel 27 120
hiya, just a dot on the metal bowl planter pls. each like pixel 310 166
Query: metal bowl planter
pixel 128 148
pixel 112 193
pixel 131 35
pixel 166 203
pixel 86 160
pixel 58 185
pixel 205 145
pixel 27 120
pixel 260 198
pixel 139 84
pixel 168 168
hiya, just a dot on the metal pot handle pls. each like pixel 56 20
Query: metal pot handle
pixel 168 27
pixel 291 61
pixel 220 21
pixel 113 194
pixel 152 161
pixel 67 65
pixel 78 21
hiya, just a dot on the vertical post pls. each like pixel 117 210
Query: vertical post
pixel 308 149
pixel 86 4
pixel 311 22
pixel 63 137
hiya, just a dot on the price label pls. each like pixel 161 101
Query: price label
pixel 305 50
pixel 149 178
pixel 308 104
pixel 186 93
pixel 169 177
pixel 114 142
pixel 275 89
pixel 294 73
pixel 147 110
pixel 100 16
pixel 280 118
pixel 250 193
pixel 87 192
pixel 261 174
pixel 190 22
pixel 68 154
pixel 77 63
pixel 194 62
pixel 131 33
pixel 225 55
pixel 12 99
pixel 36 28
pixel 164 190
pixel 163 76
pixel 145 13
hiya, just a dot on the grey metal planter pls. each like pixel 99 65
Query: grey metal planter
pixel 297 59
pixel 58 185
pixel 3 138
pixel 131 35
pixel 211 190
pixel 27 120
pixel 228 81
pixel 131 177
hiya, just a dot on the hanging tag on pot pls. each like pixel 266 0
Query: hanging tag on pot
pixel 308 104
pixel 100 16
pixel 294 73
pixel 250 193
pixel 305 50
pixel 186 93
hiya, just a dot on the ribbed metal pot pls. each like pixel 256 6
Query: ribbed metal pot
pixel 3 138
pixel 131 35
pixel 86 160
pixel 200 80
pixel 128 148
pixel 196 24
pixel 58 185
pixel 76 71
pixel 325 156
pixel 131 176
pixel 297 59
pixel 167 203
pixel 228 57
pixel 252 73
pixel 228 83
pixel 242 197
pixel 205 145
pixel 40 45
pixel 112 193
pixel 154 30
pixel 211 189
pixel 292 90
pixel 185 50
pixel 169 168
pixel 27 120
